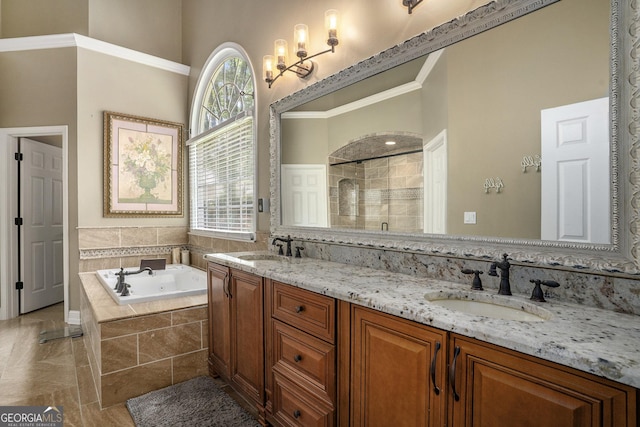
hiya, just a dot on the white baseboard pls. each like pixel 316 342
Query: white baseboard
pixel 74 317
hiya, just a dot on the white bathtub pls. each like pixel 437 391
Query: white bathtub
pixel 176 281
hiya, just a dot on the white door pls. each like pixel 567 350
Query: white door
pixel 575 173
pixel 41 210
pixel 435 184
pixel 304 195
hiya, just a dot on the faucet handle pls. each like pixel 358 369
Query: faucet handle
pixel 477 283
pixel 298 249
pixel 280 251
pixel 537 294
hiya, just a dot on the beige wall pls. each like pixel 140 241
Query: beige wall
pixel 20 18
pixel 514 84
pixel 399 114
pixel 149 26
pixel 112 84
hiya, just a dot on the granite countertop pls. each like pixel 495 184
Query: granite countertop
pixel 601 342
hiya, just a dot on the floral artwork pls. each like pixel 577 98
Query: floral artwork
pixel 143 176
pixel 146 167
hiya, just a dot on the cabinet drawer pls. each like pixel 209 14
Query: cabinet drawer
pixel 306 360
pixel 292 406
pixel 305 310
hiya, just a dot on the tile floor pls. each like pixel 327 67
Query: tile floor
pixel 54 373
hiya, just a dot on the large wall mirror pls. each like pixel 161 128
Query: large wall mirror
pixel 468 142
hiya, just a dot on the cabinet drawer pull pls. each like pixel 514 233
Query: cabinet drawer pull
pixel 452 373
pixel 299 308
pixel 296 414
pixel 297 358
pixel 436 389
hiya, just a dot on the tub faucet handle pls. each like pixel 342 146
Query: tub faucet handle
pixel 125 290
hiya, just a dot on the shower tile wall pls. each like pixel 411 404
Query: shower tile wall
pixel 390 193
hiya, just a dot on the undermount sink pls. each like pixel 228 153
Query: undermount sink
pixel 262 257
pixel 497 307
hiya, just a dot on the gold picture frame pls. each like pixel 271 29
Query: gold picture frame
pixel 142 166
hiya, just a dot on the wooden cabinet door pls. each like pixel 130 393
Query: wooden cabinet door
pixel 391 374
pixel 219 344
pixel 247 334
pixel 499 387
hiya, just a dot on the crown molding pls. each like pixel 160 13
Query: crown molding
pixel 57 41
pixel 417 84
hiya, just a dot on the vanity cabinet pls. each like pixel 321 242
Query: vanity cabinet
pixel 301 343
pixel 494 386
pixel 305 359
pixel 407 374
pixel 236 331
pixel 397 371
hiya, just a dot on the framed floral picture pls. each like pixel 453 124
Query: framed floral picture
pixel 142 166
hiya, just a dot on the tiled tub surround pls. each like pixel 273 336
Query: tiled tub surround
pixel 104 248
pixel 113 247
pixel 601 342
pixel 134 349
pixel 202 245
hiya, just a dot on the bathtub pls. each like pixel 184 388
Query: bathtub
pixel 176 281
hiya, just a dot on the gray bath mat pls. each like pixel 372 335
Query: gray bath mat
pixel 197 402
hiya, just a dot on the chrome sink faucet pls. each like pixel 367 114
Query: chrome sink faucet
pixel 504 265
pixel 288 241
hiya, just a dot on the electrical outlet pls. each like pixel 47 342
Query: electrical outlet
pixel 469 217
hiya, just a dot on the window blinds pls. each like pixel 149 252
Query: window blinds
pixel 222 179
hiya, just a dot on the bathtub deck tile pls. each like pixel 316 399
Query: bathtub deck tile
pixel 119 353
pixel 189 315
pixel 119 386
pixel 134 325
pixel 106 309
pixel 168 342
pixel 190 365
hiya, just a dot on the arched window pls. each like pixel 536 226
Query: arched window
pixel 222 151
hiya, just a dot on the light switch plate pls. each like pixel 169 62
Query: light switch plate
pixel 469 217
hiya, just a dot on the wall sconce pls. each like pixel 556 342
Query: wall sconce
pixel 410 4
pixel 275 65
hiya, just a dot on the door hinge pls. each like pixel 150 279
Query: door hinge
pixel 19 157
pixel 19 285
pixel 18 221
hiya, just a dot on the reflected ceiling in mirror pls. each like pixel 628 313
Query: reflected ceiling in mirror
pixel 484 96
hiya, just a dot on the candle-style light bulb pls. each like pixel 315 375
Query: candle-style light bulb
pixel 281 53
pixel 331 22
pixel 267 66
pixel 301 38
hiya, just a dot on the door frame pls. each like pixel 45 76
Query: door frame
pixel 8 199
pixel 439 142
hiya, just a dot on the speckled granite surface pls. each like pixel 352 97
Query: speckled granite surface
pixel 601 342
